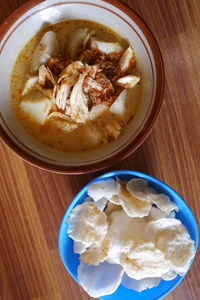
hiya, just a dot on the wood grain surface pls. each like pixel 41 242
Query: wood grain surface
pixel 33 201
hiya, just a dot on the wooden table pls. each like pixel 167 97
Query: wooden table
pixel 33 201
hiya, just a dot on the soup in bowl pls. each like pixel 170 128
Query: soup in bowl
pixel 84 86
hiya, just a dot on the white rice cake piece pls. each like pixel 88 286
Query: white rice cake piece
pixel 127 60
pixel 46 48
pixel 128 81
pixel 119 105
pixel 36 105
pixel 97 111
pixel 30 82
pixel 106 47
pixel 76 41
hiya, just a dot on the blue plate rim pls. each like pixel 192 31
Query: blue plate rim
pixel 135 174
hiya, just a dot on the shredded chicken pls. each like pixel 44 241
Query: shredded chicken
pixel 72 71
pixel 46 78
pixel 84 83
pixel 61 93
pixel 79 102
pixel 46 81
pixel 67 79
pixel 62 122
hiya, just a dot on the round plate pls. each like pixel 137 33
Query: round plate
pixel 71 260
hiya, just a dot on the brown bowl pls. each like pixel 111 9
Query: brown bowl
pixel 23 24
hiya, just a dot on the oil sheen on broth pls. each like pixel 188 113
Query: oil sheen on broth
pixel 88 136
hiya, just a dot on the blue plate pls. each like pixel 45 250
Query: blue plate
pixel 71 260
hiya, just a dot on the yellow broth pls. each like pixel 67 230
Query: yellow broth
pixel 85 137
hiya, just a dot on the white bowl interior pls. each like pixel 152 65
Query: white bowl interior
pixel 54 11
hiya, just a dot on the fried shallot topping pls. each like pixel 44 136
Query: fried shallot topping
pixel 58 63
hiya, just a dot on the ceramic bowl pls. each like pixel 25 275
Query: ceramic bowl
pixel 23 24
pixel 71 260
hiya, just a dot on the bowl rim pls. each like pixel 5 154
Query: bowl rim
pixel 134 144
pixel 135 174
